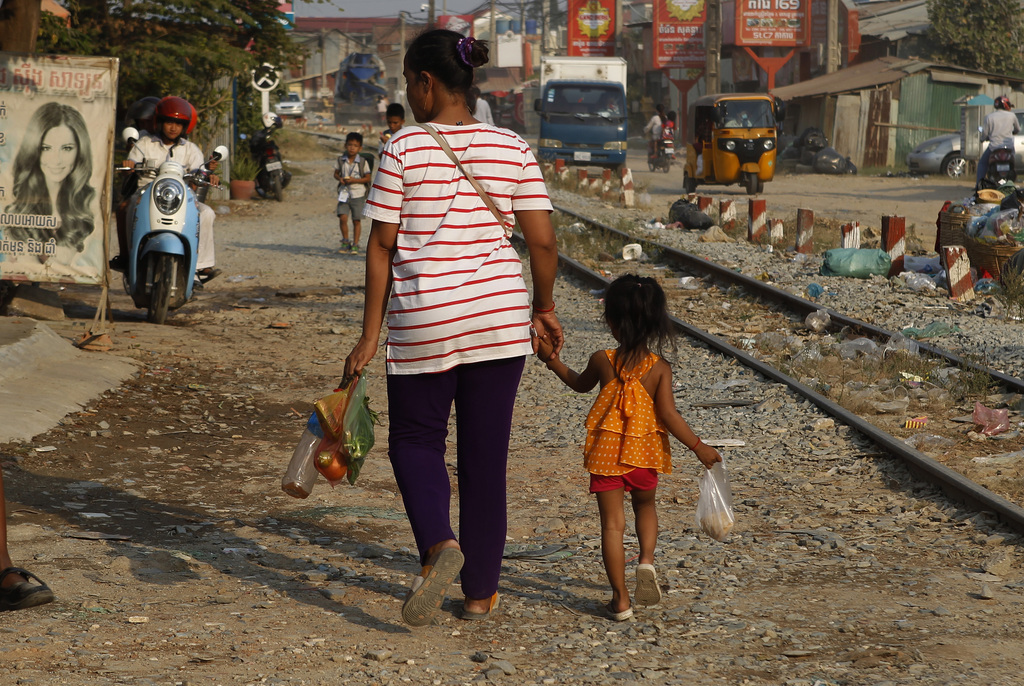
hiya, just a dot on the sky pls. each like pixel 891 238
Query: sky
pixel 382 8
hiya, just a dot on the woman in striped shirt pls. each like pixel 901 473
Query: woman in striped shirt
pixel 460 322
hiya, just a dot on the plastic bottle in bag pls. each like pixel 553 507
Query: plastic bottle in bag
pixel 300 476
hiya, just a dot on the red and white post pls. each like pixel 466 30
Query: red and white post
pixel 805 231
pixel 850 235
pixel 705 204
pixel 894 232
pixel 757 219
pixel 727 215
pixel 958 272
pixel 775 231
pixel 628 197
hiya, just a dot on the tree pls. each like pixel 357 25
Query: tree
pixel 190 48
pixel 984 34
pixel 19 23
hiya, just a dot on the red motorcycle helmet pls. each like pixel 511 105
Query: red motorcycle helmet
pixel 1003 103
pixel 173 108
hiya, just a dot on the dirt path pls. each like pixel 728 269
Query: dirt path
pixel 156 515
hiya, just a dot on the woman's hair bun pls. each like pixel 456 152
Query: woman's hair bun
pixel 479 54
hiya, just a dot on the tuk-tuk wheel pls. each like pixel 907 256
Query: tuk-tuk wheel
pixel 751 182
pixel 689 183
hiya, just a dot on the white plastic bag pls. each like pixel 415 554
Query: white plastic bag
pixel 714 506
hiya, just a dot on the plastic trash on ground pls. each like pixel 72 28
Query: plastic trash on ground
pixel 849 349
pixel 714 505
pixel 930 443
pixel 990 421
pixel 689 283
pixel 900 343
pixel 632 251
pixel 931 331
pixel 814 290
pixel 817 321
pixel 918 282
pixel 922 264
pixel 858 263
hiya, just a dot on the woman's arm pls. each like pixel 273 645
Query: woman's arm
pixel 543 248
pixel 668 414
pixel 380 249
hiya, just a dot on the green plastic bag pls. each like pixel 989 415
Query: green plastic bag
pixel 860 263
pixel 358 429
pixel 933 330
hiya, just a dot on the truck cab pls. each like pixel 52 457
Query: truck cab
pixel 583 113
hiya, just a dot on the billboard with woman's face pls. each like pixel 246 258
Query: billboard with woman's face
pixel 56 148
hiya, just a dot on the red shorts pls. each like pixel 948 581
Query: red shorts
pixel 640 479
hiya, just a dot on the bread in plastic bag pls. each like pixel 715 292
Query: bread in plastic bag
pixel 714 506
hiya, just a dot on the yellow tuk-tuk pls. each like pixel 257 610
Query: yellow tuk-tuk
pixel 731 138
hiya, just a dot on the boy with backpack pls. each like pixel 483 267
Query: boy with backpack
pixel 352 173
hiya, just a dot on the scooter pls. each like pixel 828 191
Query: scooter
pixel 664 156
pixel 163 230
pixel 272 178
pixel 1001 168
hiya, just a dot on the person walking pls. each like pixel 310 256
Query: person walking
pixel 460 322
pixel 17 592
pixel 627 443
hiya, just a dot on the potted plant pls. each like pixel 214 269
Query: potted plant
pixel 243 176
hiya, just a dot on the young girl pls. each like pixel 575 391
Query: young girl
pixel 627 445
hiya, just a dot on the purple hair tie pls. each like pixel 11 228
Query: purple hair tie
pixel 465 48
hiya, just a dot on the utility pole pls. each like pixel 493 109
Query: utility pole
pixel 401 33
pixel 713 47
pixel 430 14
pixel 832 37
pixel 493 31
pixel 618 29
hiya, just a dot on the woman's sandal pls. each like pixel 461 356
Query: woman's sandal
pixel 472 616
pixel 611 614
pixel 23 594
pixel 431 586
pixel 647 590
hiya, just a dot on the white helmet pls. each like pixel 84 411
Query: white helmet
pixel 271 119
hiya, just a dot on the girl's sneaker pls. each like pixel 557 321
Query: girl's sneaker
pixel 346 247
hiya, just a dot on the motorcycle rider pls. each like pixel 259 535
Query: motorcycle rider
pixel 175 119
pixel 998 129
pixel 258 144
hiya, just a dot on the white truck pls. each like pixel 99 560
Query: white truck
pixel 582 109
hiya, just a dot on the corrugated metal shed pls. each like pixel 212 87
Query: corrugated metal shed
pixel 857 77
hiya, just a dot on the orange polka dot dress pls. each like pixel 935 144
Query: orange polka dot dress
pixel 623 430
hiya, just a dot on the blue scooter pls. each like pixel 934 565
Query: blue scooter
pixel 163 230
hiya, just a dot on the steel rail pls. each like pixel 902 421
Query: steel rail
pixel 955 486
pixel 795 303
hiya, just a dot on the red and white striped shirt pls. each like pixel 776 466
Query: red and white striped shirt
pixel 458 294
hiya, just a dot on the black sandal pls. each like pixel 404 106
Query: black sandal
pixel 23 595
pixel 208 274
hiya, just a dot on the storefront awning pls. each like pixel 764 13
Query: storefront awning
pixel 497 80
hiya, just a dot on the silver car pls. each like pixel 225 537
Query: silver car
pixel 939 155
pixel 291 105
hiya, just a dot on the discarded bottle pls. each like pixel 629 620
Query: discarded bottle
pixel 300 476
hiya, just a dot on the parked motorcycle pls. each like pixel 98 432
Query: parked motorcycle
pixel 272 178
pixel 163 231
pixel 1001 168
pixel 664 156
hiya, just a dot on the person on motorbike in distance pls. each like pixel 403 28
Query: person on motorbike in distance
pixel 175 118
pixel 998 129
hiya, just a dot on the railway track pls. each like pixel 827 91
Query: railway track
pixel 785 305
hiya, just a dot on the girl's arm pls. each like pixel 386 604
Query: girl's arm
pixel 380 249
pixel 579 382
pixel 665 407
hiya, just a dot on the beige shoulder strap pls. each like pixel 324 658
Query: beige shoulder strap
pixel 469 177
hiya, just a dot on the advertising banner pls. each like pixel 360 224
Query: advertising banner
pixel 679 34
pixel 779 23
pixel 591 28
pixel 56 159
pixel 459 23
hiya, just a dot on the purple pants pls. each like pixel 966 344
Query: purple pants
pixel 419 405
